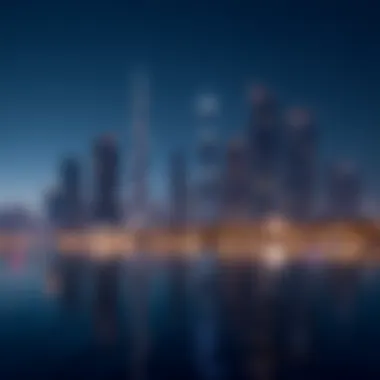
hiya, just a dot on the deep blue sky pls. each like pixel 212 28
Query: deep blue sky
pixel 64 69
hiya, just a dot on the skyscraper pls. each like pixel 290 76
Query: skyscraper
pixel 344 192
pixel 264 149
pixel 236 181
pixel 139 160
pixel 54 207
pixel 178 189
pixel 72 207
pixel 208 194
pixel 107 181
pixel 209 181
pixel 300 160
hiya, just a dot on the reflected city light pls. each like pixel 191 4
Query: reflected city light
pixel 274 256
pixel 338 242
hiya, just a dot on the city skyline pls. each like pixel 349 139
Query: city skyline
pixel 189 189
pixel 124 174
pixel 63 83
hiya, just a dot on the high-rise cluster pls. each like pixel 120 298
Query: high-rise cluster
pixel 274 168
pixel 67 205
pixel 269 168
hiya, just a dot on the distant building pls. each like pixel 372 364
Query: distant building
pixel 178 189
pixel 300 161
pixel 54 207
pixel 72 205
pixel 344 192
pixel 207 194
pixel 15 217
pixel 209 182
pixel 106 207
pixel 263 139
pixel 139 212
pixel 236 181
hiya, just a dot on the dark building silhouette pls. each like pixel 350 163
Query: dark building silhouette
pixel 15 217
pixel 106 198
pixel 236 193
pixel 54 207
pixel 72 207
pixel 344 192
pixel 178 189
pixel 300 164
pixel 263 145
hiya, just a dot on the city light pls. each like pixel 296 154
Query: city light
pixel 273 256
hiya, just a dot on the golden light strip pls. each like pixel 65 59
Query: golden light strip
pixel 338 241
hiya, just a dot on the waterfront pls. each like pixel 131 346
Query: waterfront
pixel 342 241
pixel 71 318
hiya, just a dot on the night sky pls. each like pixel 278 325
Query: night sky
pixel 65 66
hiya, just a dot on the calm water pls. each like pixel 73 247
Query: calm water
pixel 168 320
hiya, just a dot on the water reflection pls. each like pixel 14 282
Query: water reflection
pixel 172 319
pixel 67 280
pixel 207 327
pixel 106 299
pixel 171 354
pixel 140 283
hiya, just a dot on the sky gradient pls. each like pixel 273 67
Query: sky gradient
pixel 64 70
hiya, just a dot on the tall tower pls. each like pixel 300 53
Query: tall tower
pixel 140 122
pixel 71 192
pixel 300 164
pixel 236 181
pixel 264 147
pixel 107 181
pixel 345 193
pixel 54 207
pixel 178 189
pixel 208 181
